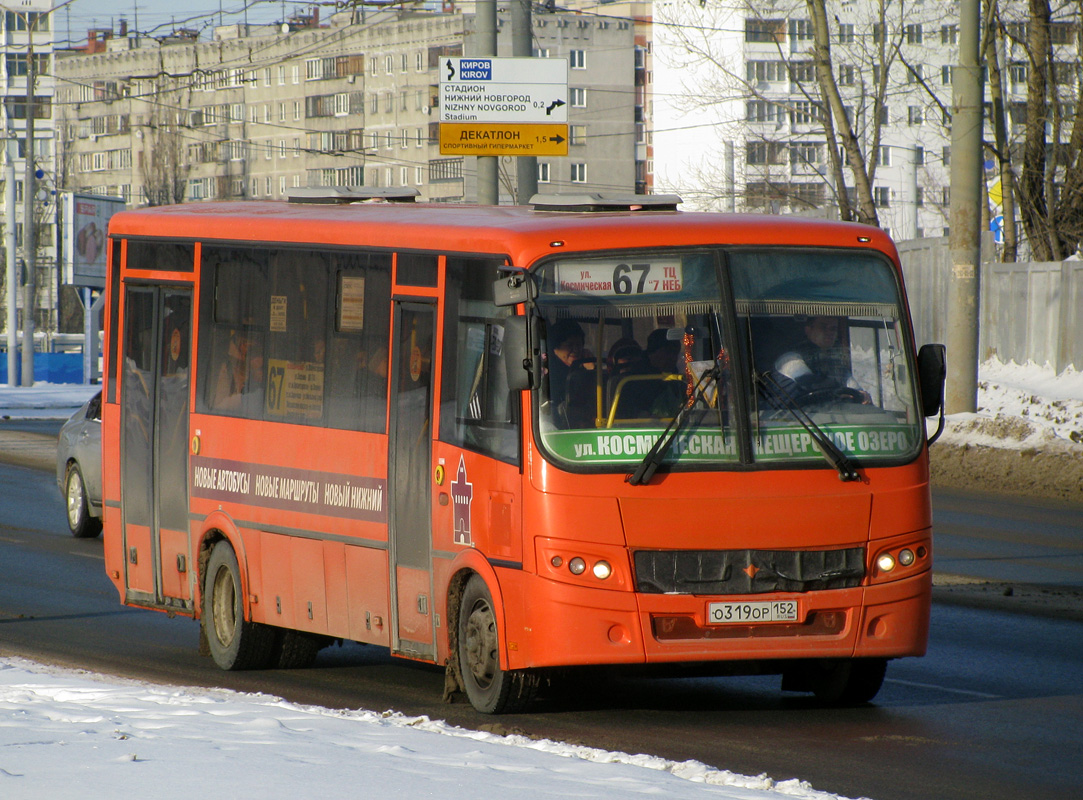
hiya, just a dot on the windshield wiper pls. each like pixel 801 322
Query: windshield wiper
pixel 650 463
pixel 830 451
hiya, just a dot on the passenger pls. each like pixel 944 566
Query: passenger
pixel 626 357
pixel 240 377
pixel 663 353
pixel 566 350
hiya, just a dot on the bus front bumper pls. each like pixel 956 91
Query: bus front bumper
pixel 563 625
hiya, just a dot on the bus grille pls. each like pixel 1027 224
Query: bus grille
pixel 747 571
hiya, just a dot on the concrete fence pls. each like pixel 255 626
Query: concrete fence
pixel 1030 311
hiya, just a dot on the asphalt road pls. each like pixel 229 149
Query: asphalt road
pixel 991 712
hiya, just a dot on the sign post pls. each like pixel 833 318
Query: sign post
pixel 504 106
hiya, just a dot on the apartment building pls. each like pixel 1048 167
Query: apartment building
pixel 260 110
pixel 736 106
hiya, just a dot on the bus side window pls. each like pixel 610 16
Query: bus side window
pixel 477 410
pixel 357 363
pixel 233 333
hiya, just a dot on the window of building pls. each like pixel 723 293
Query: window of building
pixel 577 59
pixel 846 74
pixel 577 134
pixel 882 196
pixel 949 34
pixel 800 30
pixel 578 97
pixel 915 115
pixel 543 172
pixel 914 33
pixel 846 33
pixel 765 30
pixel 579 173
pixel 883 156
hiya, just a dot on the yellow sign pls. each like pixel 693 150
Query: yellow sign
pixel 503 139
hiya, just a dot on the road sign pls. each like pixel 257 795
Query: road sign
pixel 523 90
pixel 502 139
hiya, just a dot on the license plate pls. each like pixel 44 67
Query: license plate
pixel 744 613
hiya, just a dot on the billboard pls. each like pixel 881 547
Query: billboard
pixel 86 221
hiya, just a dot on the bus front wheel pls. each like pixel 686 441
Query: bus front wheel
pixel 234 643
pixel 839 682
pixel 490 689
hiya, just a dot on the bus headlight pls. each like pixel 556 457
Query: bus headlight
pixel 602 570
pixel 906 557
pixel 886 562
pixel 577 566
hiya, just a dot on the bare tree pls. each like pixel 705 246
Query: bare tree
pixel 164 167
pixel 1043 174
pixel 831 116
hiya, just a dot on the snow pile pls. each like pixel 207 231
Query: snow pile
pixel 1024 407
pixel 73 735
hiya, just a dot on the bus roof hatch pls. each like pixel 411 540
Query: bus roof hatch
pixel 351 194
pixel 598 201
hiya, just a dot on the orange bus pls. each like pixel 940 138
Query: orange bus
pixel 590 431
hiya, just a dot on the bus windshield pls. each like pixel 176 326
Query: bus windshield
pixel 731 356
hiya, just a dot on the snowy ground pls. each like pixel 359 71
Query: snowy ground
pixel 74 735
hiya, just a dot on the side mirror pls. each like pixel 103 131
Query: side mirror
pixel 518 357
pixel 932 371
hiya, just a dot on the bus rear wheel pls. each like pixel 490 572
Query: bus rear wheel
pixel 490 688
pixel 234 642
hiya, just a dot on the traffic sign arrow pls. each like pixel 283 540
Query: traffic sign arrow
pixel 552 106
pixel 450 70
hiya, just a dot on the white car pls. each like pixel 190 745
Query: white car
pixel 79 468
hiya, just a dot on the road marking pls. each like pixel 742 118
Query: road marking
pixel 95 556
pixel 939 688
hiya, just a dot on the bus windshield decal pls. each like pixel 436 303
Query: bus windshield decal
pixel 615 277
pixel 711 447
pixel 328 493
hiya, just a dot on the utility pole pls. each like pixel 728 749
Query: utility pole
pixel 29 239
pixel 522 45
pixel 485 31
pixel 964 240
pixel 10 240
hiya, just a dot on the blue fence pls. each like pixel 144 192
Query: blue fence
pixel 48 368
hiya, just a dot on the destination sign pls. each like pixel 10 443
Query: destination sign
pixel 490 89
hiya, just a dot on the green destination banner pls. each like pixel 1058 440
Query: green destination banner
pixel 784 443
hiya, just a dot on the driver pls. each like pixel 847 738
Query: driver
pixel 819 364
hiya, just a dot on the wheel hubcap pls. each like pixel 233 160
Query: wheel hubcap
pixel 223 607
pixel 75 499
pixel 481 655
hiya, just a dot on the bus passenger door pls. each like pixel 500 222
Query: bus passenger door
pixel 409 481
pixel 154 445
